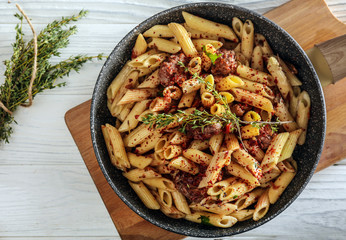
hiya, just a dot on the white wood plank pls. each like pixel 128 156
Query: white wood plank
pixel 51 201
pixel 41 136
pixel 112 11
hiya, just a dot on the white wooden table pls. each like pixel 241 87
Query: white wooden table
pixel 45 189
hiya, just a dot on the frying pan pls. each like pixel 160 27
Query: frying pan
pixel 307 156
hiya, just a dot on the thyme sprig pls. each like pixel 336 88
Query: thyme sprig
pixel 201 119
pixel 197 119
pixel 19 69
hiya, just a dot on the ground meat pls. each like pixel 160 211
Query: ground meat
pixel 252 147
pixel 225 64
pixel 208 132
pixel 187 184
pixel 265 137
pixel 170 72
pixel 217 78
pixel 240 108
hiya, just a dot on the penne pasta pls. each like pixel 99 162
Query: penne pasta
pixel 279 186
pixel 237 26
pixel 168 211
pixel 214 168
pixel 249 198
pixel 205 25
pixel 149 143
pixel 200 145
pixel 252 99
pixel 270 175
pixel 281 111
pixel 293 107
pixel 257 59
pixel 272 155
pixel 254 75
pixel 261 41
pixel 231 142
pixel 115 146
pixel 159 104
pixel 197 156
pixel 140 47
pixel 184 39
pixel 237 170
pixel 247 39
pixel 137 175
pixel 152 81
pixel 166 197
pixel 292 78
pixel 164 45
pixel 257 88
pixel 247 161
pixel 198 34
pixel 144 194
pixel 215 143
pixel 222 209
pixel 159 31
pixel 180 202
pixel 131 121
pixel 116 84
pixel 290 144
pixel 139 161
pixel 219 187
pixel 190 85
pixel 235 191
pixel 137 95
pixel 172 151
pixel 187 100
pixel 137 136
pixel 279 77
pixel 207 99
pixel 243 215
pixel 303 114
pixel 216 220
pixel 262 206
pixel 185 165
pixel 249 131
pixel 228 83
pixel 200 43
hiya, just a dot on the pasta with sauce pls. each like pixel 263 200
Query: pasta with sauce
pixel 199 131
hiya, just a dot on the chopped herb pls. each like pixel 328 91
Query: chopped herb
pixel 235 196
pixel 205 220
pixel 181 64
pixel 212 56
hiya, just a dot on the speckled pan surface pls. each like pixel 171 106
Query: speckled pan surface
pixel 307 156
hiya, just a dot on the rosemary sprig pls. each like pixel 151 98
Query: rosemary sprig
pixel 18 73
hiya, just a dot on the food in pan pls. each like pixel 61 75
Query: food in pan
pixel 207 119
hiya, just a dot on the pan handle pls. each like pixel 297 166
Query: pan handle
pixel 334 52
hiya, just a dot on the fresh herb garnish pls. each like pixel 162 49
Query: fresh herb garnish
pixel 29 71
pixel 201 119
pixel 205 220
pixel 181 64
pixel 235 196
pixel 212 56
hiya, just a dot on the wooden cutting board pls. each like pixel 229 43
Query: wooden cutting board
pixel 309 22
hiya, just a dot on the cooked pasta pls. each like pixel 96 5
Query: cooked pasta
pixel 204 133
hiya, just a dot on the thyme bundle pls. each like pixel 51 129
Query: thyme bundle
pixel 29 71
